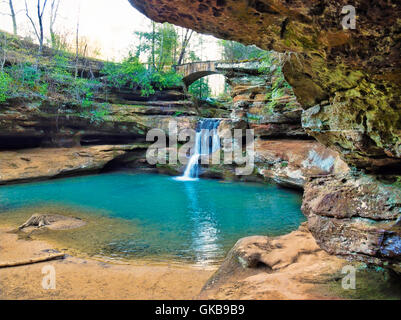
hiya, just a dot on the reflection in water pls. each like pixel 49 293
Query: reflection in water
pixel 205 234
pixel 161 218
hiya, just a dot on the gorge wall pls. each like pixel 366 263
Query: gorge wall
pixel 263 101
pixel 348 84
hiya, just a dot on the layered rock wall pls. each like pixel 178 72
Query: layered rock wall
pixel 253 100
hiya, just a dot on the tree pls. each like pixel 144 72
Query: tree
pixel 160 44
pixel 233 51
pixel 200 88
pixel 163 45
pixel 53 16
pixel 3 55
pixel 77 45
pixel 12 14
pixel 184 44
pixel 37 29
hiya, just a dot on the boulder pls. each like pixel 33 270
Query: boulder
pixel 356 216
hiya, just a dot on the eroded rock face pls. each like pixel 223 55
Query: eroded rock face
pixel 252 90
pixel 33 123
pixel 353 76
pixel 41 163
pixel 357 216
pixel 291 162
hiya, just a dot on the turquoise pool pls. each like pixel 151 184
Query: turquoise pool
pixel 196 221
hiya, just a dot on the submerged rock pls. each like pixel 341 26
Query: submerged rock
pixel 52 222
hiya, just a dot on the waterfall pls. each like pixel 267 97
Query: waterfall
pixel 207 141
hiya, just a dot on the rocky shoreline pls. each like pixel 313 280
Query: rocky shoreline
pixel 287 267
pixel 138 280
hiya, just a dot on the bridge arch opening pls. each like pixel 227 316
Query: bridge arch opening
pixel 210 86
pixel 190 79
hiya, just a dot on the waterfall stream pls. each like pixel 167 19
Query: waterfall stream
pixel 207 141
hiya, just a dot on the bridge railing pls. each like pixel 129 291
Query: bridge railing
pixel 217 61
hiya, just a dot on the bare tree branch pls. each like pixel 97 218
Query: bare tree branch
pixel 53 16
pixel 38 31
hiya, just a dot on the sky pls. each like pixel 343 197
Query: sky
pixel 109 24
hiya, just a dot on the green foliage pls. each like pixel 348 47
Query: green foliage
pixel 233 51
pixel 160 44
pixel 44 89
pixel 200 89
pixel 27 80
pixel 133 74
pixel 126 74
pixel 59 70
pixel 284 164
pixel 97 113
pixel 5 81
pixel 178 113
pixel 25 74
pixel 84 91
pixel 24 79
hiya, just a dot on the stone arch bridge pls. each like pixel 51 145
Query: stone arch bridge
pixel 195 70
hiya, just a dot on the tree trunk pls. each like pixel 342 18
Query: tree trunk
pixel 185 44
pixel 13 17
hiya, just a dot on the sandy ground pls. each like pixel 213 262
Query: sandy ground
pixel 295 265
pixel 78 278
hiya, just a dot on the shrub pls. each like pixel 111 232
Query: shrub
pixel 25 75
pixel 5 81
pixel 84 90
pixel 131 73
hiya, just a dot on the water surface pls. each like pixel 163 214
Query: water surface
pixel 161 218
